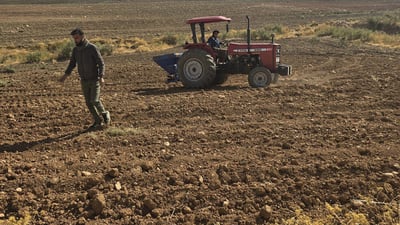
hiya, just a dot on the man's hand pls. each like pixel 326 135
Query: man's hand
pixel 102 81
pixel 223 44
pixel 62 79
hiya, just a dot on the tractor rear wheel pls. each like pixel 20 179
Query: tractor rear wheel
pixel 260 77
pixel 196 69
pixel 221 77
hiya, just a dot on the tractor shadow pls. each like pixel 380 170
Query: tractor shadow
pixel 177 90
pixel 24 145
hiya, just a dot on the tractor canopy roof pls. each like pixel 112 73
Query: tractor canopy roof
pixel 208 19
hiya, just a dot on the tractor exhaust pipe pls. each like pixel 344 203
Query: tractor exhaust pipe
pixel 248 34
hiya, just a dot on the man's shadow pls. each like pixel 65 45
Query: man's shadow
pixel 175 90
pixel 24 145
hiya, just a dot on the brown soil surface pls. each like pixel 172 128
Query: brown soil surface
pixel 328 134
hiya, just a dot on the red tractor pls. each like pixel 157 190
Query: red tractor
pixel 202 66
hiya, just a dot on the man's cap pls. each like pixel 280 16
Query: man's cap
pixel 77 31
pixel 216 31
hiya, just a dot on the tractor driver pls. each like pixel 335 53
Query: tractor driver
pixel 213 41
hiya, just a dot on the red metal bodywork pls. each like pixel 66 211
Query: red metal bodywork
pixel 208 19
pixel 266 52
pixel 237 58
pixel 203 46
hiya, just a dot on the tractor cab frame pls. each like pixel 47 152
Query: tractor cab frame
pixel 201 21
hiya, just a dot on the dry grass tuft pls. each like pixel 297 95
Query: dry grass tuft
pixel 3 83
pixel 381 31
pixel 116 131
pixel 335 214
pixel 14 221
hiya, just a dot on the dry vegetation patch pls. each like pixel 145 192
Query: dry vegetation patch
pixel 26 220
pixel 117 131
pixel 383 31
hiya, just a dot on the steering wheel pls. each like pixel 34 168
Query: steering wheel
pixel 224 43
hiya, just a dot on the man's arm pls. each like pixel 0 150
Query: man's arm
pixel 71 66
pixel 99 62
pixel 72 63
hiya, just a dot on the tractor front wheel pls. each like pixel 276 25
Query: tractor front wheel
pixel 196 69
pixel 260 77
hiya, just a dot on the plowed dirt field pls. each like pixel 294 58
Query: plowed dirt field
pixel 330 133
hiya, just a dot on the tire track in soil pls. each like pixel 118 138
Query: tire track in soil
pixel 14 101
pixel 35 107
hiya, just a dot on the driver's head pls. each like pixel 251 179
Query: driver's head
pixel 215 33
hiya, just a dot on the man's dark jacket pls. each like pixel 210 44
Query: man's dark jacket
pixel 214 42
pixel 89 60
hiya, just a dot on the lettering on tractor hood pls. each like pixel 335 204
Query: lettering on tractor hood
pixel 253 50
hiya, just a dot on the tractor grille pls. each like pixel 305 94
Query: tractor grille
pixel 278 55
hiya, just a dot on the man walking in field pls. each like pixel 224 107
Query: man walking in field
pixel 91 72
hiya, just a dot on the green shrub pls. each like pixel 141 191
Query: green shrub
pixel 388 24
pixel 242 34
pixel 325 32
pixel 65 50
pixel 346 33
pixel 34 57
pixel 8 69
pixel 10 58
pixel 266 32
pixel 169 39
pixel 3 59
pixel 277 29
pixel 261 34
pixel 105 49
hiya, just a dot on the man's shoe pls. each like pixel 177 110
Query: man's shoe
pixel 107 118
pixel 95 126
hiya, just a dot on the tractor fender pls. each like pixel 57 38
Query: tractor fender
pixel 202 46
